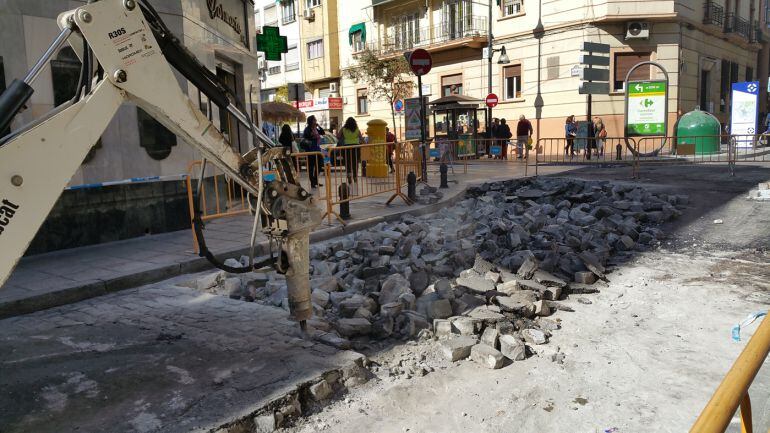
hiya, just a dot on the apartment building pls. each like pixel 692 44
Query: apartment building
pixel 704 46
pixel 285 15
pixel 319 49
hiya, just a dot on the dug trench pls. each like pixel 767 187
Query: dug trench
pixel 487 282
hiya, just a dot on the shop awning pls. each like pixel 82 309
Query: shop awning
pixel 355 28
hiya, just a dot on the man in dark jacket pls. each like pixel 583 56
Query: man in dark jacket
pixel 503 133
pixel 523 133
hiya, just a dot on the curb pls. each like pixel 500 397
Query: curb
pixel 93 289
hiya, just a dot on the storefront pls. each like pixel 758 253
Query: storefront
pixel 328 111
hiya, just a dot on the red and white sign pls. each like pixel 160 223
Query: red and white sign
pixel 420 61
pixel 491 100
pixel 318 104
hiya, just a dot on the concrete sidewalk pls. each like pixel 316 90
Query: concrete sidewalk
pixel 61 277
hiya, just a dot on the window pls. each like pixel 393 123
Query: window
pixel 274 70
pixel 324 92
pixel 452 85
pixel 358 42
pixel 724 85
pixel 406 31
pixel 512 7
pixel 288 12
pixel 623 63
pixel 512 83
pixel 312 3
pixel 271 15
pixel 154 137
pixel 705 90
pixel 315 49
pixel 362 101
pixel 749 73
pixel 65 72
pixel 292 59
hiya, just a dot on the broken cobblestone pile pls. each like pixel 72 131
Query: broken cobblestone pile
pixel 482 276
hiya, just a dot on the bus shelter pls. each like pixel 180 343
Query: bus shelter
pixel 456 124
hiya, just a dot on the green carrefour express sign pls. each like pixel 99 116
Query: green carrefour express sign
pixel 646 108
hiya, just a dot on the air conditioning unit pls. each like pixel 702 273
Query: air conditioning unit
pixel 637 30
pixel 308 14
pixel 261 64
pixel 334 88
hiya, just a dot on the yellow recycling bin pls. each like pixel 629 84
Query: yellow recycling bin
pixel 376 163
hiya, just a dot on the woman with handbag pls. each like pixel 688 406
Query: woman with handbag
pixel 601 134
pixel 311 139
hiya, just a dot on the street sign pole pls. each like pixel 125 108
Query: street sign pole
pixel 421 62
pixel 589 86
pixel 422 131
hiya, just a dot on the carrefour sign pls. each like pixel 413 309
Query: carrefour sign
pixel 646 110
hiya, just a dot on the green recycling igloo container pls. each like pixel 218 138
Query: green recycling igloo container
pixel 697 133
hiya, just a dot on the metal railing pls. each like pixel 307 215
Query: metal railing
pixel 398 38
pixel 742 27
pixel 713 13
pixel 733 392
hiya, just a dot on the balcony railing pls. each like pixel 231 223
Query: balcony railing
pixel 756 33
pixel 399 38
pixel 273 70
pixel 742 27
pixel 292 66
pixel 713 14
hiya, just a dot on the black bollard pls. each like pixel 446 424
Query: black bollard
pixel 443 171
pixel 411 186
pixel 344 194
pixel 363 168
pixel 618 152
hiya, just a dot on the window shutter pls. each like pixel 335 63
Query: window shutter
pixel 449 80
pixel 512 71
pixel 625 61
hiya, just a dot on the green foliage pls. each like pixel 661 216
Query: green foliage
pixel 386 78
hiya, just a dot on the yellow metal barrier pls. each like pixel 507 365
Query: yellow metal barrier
pixel 734 389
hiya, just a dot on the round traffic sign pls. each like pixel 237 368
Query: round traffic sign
pixel 491 100
pixel 398 105
pixel 420 61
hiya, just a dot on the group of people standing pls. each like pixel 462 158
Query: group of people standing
pixel 347 136
pixel 499 134
pixel 598 133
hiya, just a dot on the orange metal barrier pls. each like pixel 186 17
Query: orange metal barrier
pixel 219 195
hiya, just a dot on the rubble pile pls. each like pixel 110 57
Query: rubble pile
pixel 482 276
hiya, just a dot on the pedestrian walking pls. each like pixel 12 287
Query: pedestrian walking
pixel 600 134
pixel 311 138
pixel 350 135
pixel 570 132
pixel 503 135
pixel 523 134
pixel 390 147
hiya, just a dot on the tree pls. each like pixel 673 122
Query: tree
pixel 385 77
pixel 282 93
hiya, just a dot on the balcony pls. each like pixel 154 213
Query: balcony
pixel 713 14
pixel 742 27
pixel 468 32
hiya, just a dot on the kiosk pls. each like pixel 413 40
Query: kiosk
pixel 455 121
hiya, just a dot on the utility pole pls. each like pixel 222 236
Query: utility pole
pixel 489 65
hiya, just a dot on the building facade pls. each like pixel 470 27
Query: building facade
pixel 319 48
pixel 285 15
pixel 704 46
pixel 134 144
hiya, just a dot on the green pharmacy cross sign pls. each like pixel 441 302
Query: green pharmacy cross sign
pixel 272 43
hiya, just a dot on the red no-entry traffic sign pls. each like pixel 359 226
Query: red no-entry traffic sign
pixel 420 61
pixel 491 100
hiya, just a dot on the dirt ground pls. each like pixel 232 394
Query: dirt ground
pixel 645 355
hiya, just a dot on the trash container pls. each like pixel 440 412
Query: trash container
pixel 697 132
